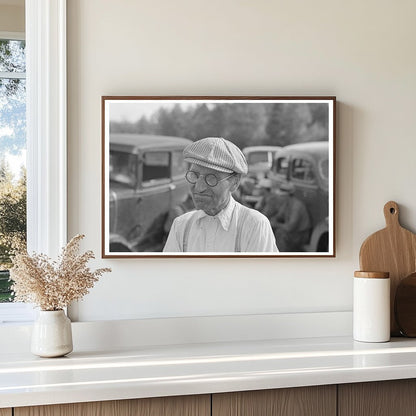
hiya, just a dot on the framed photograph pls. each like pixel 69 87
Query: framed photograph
pixel 218 176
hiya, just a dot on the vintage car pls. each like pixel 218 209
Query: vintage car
pixel 260 159
pixel 305 165
pixel 147 183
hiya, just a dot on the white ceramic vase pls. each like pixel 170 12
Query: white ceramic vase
pixel 52 334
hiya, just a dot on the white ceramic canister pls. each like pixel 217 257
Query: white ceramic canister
pixel 371 308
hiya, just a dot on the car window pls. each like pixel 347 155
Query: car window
pixel 282 165
pixel 257 157
pixel 178 165
pixel 302 169
pixel 123 168
pixel 155 167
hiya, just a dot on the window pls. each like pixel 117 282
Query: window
pixel 258 157
pixel 13 155
pixel 123 168
pixel 302 169
pixel 282 166
pixel 155 166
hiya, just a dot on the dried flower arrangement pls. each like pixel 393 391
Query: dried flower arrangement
pixel 52 285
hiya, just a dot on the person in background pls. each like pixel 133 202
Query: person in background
pixel 219 223
pixel 291 222
pixel 246 188
pixel 266 194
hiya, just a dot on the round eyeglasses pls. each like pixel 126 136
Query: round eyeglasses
pixel 210 179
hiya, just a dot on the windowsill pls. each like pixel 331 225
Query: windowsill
pixel 151 371
pixel 16 313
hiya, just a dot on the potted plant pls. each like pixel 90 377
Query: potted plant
pixel 52 286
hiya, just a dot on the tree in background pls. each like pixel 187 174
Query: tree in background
pixel 12 214
pixel 202 122
pixel 290 123
pixel 5 172
pixel 142 126
pixel 275 128
pixel 246 124
pixel 170 122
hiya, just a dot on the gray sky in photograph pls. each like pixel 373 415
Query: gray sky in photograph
pixel 132 111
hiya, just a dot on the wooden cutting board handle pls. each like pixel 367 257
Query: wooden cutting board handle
pixel 391 214
pixel 393 250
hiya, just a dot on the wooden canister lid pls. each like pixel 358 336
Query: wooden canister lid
pixel 372 275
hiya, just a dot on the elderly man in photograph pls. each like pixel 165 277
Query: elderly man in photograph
pixel 219 223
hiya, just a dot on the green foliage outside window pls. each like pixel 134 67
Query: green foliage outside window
pixel 12 224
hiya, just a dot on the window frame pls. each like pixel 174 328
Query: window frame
pixel 46 125
pixel 12 36
pixel 46 121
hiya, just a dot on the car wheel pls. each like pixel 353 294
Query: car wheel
pixel 323 243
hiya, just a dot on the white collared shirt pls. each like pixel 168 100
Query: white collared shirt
pixel 196 231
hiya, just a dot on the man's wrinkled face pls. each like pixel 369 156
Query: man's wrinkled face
pixel 211 199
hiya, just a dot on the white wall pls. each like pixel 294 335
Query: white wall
pixel 12 17
pixel 363 52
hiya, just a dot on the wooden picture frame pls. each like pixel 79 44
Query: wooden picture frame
pixel 289 145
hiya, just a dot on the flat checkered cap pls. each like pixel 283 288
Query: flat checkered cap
pixel 216 153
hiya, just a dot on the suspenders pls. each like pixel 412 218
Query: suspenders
pixel 240 221
pixel 186 234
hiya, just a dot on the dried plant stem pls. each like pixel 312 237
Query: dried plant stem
pixel 53 285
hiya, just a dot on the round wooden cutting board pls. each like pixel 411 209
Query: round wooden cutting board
pixel 405 306
pixel 393 250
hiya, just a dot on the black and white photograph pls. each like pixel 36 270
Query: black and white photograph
pixel 218 176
